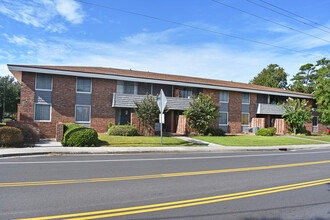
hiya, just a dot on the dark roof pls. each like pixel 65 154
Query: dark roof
pixel 160 76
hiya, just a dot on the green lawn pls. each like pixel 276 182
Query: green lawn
pixel 140 141
pixel 320 138
pixel 245 140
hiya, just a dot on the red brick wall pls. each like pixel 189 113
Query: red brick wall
pixel 253 105
pixel 27 97
pixel 234 112
pixel 215 96
pixel 63 99
pixel 102 111
pixel 321 128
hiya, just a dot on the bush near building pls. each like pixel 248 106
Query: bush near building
pixel 123 130
pixel 11 137
pixel 79 136
pixel 266 131
pixel 215 132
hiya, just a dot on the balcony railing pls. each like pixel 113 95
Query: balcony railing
pixel 269 109
pixel 127 101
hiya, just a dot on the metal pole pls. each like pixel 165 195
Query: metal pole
pixel 161 133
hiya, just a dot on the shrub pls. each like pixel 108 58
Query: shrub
pixel 215 132
pixel 68 126
pixel 79 136
pixel 82 137
pixel 11 137
pixel 123 130
pixel 110 125
pixel 272 130
pixel 266 132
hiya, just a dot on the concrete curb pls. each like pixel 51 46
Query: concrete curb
pixel 136 150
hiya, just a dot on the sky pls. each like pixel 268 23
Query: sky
pixel 195 43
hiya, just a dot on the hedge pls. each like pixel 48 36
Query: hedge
pixel 266 131
pixel 79 136
pixel 11 137
pixel 215 132
pixel 123 130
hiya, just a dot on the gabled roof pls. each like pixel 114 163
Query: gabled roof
pixel 160 76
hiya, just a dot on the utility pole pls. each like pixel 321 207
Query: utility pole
pixel 3 103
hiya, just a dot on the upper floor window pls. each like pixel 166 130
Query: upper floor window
pixel 44 82
pixel 128 87
pixel 224 96
pixel 84 85
pixel 245 98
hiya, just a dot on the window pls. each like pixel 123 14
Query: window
pixel 128 87
pixel 42 112
pixel 245 119
pixel 84 85
pixel 83 113
pixel 223 118
pixel 224 96
pixel 315 121
pixel 245 98
pixel 44 82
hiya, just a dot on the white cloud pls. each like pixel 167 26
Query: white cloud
pixel 70 10
pixel 43 13
pixel 156 52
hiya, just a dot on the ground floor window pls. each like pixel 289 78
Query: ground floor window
pixel 223 118
pixel 42 112
pixel 83 113
pixel 245 119
pixel 123 116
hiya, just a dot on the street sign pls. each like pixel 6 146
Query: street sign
pixel 161 101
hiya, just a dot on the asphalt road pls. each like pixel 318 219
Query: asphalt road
pixel 247 186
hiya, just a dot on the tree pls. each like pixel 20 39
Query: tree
pixel 315 79
pixel 296 113
pixel 273 76
pixel 12 94
pixel 322 92
pixel 147 112
pixel 201 113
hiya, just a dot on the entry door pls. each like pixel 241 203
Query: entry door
pixel 125 116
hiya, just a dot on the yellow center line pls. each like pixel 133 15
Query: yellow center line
pixel 181 204
pixel 153 176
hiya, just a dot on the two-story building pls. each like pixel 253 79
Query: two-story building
pixel 94 96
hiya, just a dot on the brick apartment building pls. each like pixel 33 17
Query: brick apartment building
pixel 94 96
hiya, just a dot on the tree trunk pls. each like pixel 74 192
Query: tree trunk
pixel 294 131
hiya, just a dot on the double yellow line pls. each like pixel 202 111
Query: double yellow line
pixel 153 176
pixel 180 204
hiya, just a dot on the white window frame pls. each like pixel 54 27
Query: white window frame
pixel 90 114
pixel 50 112
pixel 219 119
pixel 249 98
pixel 36 79
pixel 227 97
pixel 90 92
pixel 248 119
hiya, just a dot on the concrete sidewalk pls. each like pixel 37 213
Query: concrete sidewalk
pixel 55 147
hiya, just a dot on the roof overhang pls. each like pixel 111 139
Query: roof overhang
pixel 115 76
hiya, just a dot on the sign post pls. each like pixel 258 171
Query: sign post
pixel 161 102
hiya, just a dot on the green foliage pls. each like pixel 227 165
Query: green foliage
pixel 79 136
pixel 147 113
pixel 215 132
pixel 266 132
pixel 11 137
pixel 296 113
pixel 201 113
pixel 12 94
pixel 110 125
pixel 315 79
pixel 272 76
pixel 123 130
pixel 68 126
